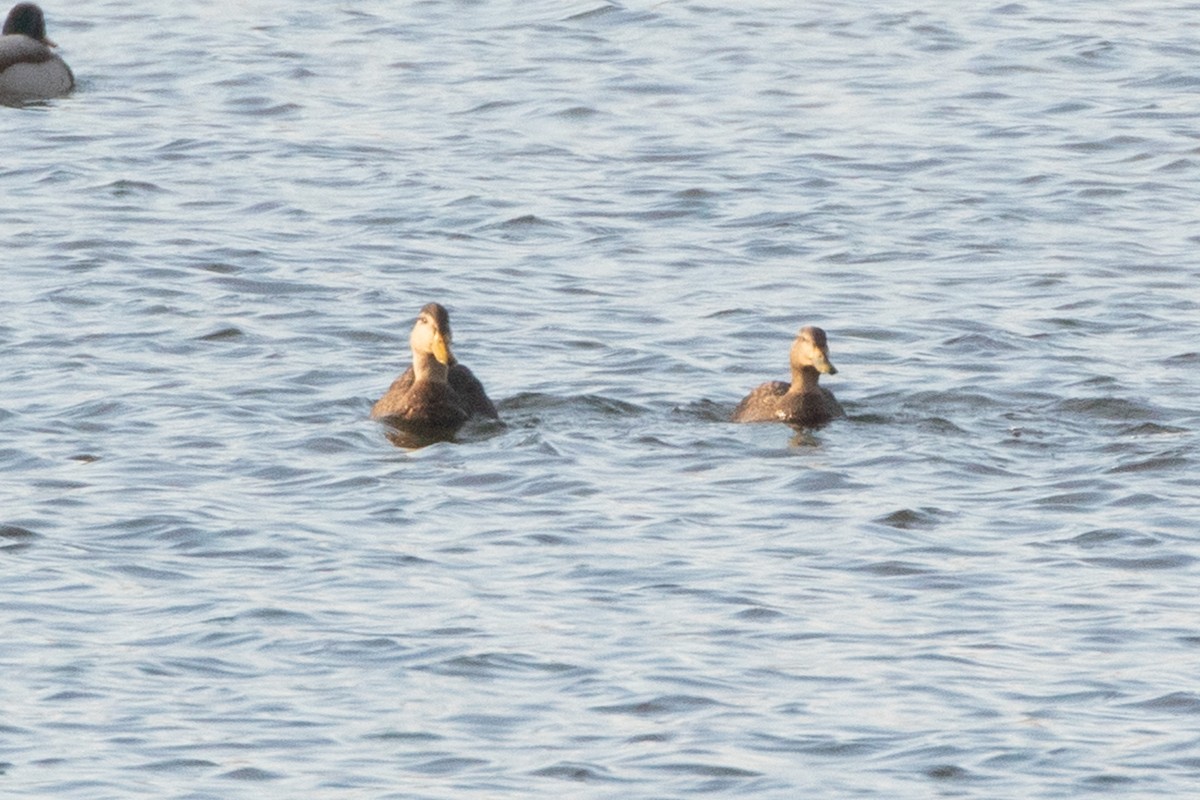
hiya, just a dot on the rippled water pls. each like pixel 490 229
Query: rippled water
pixel 221 580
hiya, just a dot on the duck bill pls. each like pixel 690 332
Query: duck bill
pixel 825 366
pixel 441 351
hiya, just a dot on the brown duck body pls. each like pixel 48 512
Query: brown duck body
pixel 29 67
pixel 470 391
pixel 436 395
pixel 776 401
pixel 427 406
pixel 802 402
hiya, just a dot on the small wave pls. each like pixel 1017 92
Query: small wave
pixel 491 105
pixel 14 538
pixel 593 13
pixel 222 334
pixel 667 704
pixel 1106 408
pixel 492 665
pixel 129 188
pixel 909 519
pixel 572 771
pixel 1177 561
pixel 1175 702
pixel 449 765
pixel 708 770
pixel 587 404
pixel 1164 463
pixel 253 774
pixel 179 765
pixel 526 221
pixel 577 112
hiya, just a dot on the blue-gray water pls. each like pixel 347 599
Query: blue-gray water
pixel 220 579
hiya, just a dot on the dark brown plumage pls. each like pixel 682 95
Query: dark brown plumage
pixel 468 388
pixel 802 403
pixel 29 68
pixel 436 395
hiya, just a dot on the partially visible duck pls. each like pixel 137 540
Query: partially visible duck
pixel 435 395
pixel 802 402
pixel 29 68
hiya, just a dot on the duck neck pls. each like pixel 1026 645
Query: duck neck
pixel 428 368
pixel 805 379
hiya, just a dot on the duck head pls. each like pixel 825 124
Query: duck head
pixel 810 350
pixel 431 334
pixel 27 19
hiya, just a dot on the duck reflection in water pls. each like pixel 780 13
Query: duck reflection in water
pixel 801 403
pixel 436 395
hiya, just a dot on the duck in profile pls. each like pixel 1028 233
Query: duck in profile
pixel 436 395
pixel 801 403
pixel 29 68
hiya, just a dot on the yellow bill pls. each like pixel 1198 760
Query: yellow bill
pixel 440 349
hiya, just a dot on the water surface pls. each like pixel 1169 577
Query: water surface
pixel 221 580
